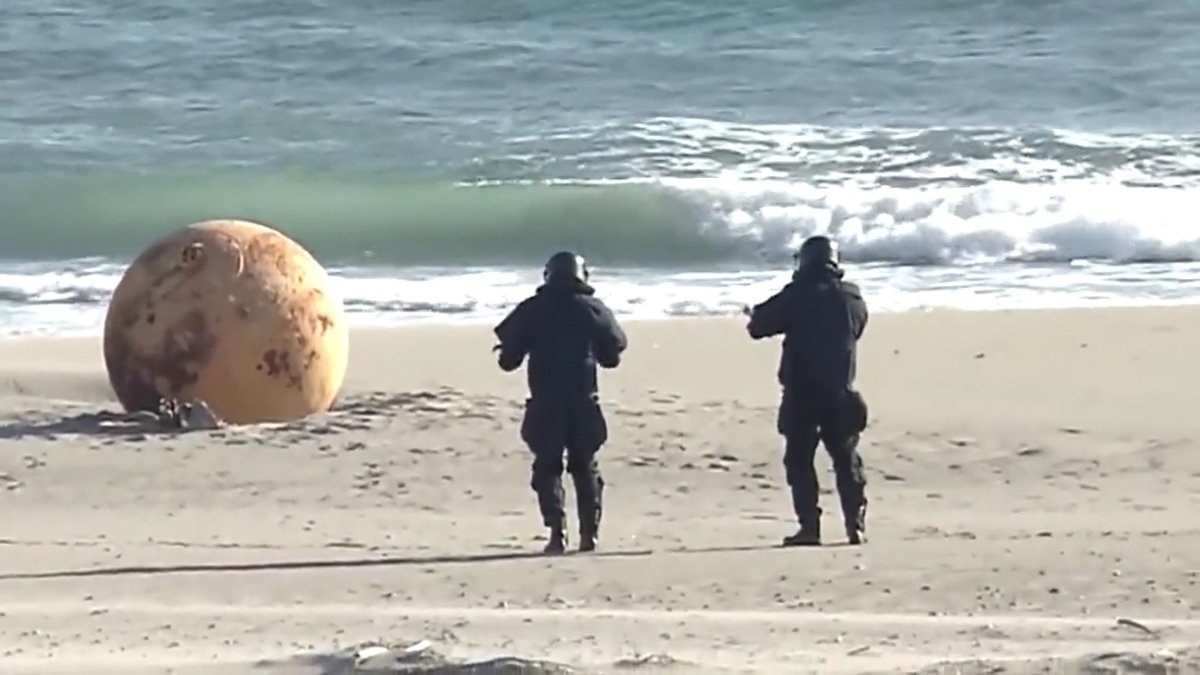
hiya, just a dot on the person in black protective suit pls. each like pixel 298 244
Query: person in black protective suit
pixel 565 330
pixel 822 318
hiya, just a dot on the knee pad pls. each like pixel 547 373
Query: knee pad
pixel 577 467
pixel 546 471
pixel 798 472
pixel 544 481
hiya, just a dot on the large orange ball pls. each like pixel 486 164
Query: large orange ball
pixel 231 313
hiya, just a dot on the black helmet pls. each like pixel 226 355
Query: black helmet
pixel 817 251
pixel 566 265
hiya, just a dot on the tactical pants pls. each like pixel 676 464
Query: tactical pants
pixel 835 420
pixel 577 427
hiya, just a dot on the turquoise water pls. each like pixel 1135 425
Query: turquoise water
pixel 971 154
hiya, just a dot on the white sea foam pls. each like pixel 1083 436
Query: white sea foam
pixel 69 303
pixel 998 221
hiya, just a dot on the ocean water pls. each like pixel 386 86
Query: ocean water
pixel 432 153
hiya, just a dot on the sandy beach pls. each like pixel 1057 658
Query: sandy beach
pixel 1034 484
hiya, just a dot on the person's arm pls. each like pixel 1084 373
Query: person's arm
pixel 608 338
pixel 513 333
pixel 770 317
pixel 858 309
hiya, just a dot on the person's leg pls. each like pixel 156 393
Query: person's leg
pixel 542 430
pixel 587 434
pixel 589 493
pixel 800 447
pixel 840 435
pixel 547 485
pixel 851 483
pixel 797 423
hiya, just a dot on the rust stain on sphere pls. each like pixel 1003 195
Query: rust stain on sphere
pixel 232 313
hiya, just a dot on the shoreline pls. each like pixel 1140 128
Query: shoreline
pixel 487 321
pixel 44 305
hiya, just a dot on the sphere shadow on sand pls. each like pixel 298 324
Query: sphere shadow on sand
pixel 103 423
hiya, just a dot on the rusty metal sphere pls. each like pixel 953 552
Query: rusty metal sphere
pixel 231 313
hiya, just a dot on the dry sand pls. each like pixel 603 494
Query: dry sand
pixel 1034 476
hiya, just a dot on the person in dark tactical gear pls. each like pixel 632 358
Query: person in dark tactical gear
pixel 565 330
pixel 821 317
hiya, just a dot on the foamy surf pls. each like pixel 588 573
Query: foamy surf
pixel 680 216
pixel 75 302
pixel 934 224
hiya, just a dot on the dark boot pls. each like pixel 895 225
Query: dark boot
pixel 809 534
pixel 557 545
pixel 856 525
pixel 587 540
pixel 808 512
